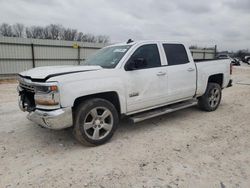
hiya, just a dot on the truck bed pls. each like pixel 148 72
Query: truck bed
pixel 211 67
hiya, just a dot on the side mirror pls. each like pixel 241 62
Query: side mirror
pixel 137 63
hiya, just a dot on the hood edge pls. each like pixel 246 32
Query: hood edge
pixel 53 75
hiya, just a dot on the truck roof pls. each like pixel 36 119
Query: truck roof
pixel 143 41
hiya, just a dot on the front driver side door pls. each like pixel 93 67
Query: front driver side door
pixel 146 87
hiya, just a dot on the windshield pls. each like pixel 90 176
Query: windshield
pixel 108 57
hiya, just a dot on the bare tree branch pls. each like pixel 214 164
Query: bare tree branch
pixel 6 30
pixel 70 34
pixel 18 30
pixel 35 32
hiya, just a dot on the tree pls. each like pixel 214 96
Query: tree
pixel 242 53
pixel 38 32
pixel 28 32
pixel 55 31
pixel 35 32
pixel 102 39
pixel 193 47
pixel 79 36
pixel 70 34
pixel 88 38
pixel 6 30
pixel 47 33
pixel 52 31
pixel 18 30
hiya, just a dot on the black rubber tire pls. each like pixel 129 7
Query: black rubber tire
pixel 203 101
pixel 80 113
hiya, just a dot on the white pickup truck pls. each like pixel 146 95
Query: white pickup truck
pixel 138 80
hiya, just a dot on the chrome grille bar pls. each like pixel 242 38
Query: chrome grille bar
pixel 27 87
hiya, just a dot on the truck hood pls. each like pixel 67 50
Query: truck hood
pixel 42 74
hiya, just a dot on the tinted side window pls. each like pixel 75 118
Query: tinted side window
pixel 176 54
pixel 149 53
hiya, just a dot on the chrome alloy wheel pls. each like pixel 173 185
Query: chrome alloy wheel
pixel 98 123
pixel 214 97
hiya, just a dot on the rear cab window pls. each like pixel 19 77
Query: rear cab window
pixel 176 54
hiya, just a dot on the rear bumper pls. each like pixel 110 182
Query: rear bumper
pixel 55 119
pixel 230 83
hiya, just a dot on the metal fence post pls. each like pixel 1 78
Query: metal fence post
pixel 79 55
pixel 33 55
pixel 215 51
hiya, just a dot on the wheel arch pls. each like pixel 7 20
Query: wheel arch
pixel 110 96
pixel 216 78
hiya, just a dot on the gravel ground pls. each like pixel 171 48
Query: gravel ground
pixel 188 148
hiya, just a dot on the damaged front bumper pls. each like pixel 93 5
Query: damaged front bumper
pixel 52 119
pixel 55 119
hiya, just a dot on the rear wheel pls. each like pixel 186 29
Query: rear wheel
pixel 211 99
pixel 95 121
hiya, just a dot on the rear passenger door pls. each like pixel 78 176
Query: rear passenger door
pixel 181 72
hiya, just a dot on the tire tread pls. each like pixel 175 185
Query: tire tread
pixel 83 107
pixel 203 100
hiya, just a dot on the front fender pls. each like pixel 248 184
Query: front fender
pixel 70 91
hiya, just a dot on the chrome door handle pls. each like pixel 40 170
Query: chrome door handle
pixel 190 69
pixel 161 73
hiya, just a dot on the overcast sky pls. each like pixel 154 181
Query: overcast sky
pixel 204 23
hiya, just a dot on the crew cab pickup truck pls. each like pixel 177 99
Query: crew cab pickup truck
pixel 137 80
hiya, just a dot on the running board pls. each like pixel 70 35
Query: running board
pixel 161 111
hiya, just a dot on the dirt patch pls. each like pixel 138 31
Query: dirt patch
pixel 7 81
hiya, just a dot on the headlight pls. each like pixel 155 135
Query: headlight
pixel 47 89
pixel 47 95
pixel 50 99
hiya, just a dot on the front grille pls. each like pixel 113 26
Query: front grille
pixel 27 87
pixel 27 93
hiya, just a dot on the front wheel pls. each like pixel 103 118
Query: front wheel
pixel 95 121
pixel 211 99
